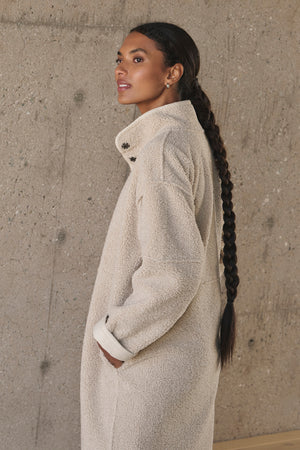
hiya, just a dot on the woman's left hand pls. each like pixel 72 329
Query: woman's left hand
pixel 114 361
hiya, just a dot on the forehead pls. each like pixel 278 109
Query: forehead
pixel 138 40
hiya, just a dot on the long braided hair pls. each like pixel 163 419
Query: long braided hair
pixel 178 46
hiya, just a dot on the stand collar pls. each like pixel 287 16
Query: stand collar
pixel 134 136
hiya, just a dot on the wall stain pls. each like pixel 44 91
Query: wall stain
pixel 61 236
pixel 245 140
pixel 265 252
pixel 270 222
pixel 251 342
pixel 44 366
pixel 79 97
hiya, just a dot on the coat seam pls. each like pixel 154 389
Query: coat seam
pixel 198 261
pixel 167 183
pixel 163 154
pixel 175 185
pixel 115 413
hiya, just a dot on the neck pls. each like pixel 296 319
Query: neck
pixel 168 96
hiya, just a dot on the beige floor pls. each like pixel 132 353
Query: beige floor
pixel 279 441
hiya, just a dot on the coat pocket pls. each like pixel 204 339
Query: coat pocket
pixel 141 359
pixel 105 360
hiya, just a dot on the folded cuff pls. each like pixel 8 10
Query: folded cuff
pixel 108 341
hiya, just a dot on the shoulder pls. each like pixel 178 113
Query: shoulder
pixel 173 156
pixel 168 154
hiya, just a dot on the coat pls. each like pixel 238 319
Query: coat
pixel 156 302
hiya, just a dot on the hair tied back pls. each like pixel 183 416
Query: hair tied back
pixel 178 46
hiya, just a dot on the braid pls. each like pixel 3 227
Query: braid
pixel 206 117
pixel 178 46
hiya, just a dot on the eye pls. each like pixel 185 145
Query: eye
pixel 118 60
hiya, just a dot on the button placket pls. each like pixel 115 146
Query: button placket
pixel 126 145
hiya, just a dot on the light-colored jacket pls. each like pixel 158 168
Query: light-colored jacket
pixel 156 302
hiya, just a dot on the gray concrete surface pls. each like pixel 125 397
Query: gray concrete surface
pixel 61 176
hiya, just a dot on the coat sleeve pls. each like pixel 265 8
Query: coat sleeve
pixel 169 276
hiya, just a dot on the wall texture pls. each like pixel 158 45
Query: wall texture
pixel 61 175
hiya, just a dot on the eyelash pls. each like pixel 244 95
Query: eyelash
pixel 136 57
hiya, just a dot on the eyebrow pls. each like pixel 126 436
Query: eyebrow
pixel 135 50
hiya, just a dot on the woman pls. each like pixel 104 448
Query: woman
pixel 152 350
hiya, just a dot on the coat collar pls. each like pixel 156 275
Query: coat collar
pixel 132 138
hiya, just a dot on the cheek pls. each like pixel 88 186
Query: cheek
pixel 151 80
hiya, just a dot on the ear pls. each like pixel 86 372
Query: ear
pixel 175 73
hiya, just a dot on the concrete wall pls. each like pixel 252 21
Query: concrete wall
pixel 61 176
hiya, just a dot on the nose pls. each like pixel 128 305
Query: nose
pixel 121 69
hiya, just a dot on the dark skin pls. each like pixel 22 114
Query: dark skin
pixel 147 75
pixel 114 361
pixel 141 65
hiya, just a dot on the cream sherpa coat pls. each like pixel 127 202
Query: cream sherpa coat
pixel 156 302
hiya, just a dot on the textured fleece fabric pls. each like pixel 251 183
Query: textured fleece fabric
pixel 156 302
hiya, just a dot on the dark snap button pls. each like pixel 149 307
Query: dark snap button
pixel 132 158
pixel 125 145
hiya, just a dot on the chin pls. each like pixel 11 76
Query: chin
pixel 125 101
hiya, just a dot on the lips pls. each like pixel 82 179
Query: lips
pixel 123 85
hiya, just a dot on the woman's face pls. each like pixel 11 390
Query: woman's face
pixel 141 75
